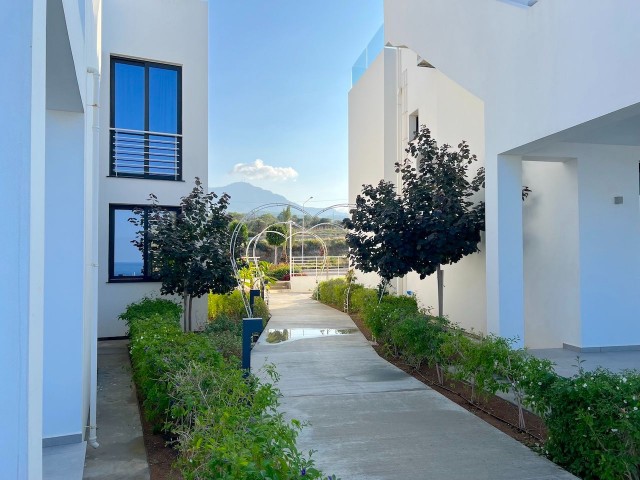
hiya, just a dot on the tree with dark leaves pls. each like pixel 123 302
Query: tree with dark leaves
pixel 432 221
pixel 190 249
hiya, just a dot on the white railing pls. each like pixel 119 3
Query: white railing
pixel 317 266
pixel 138 153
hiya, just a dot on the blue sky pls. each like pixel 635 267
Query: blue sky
pixel 279 75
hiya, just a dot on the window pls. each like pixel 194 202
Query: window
pixel 129 256
pixel 414 125
pixel 146 120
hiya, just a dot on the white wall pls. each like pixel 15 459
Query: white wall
pixel 22 33
pixel 63 298
pixel 609 239
pixel 533 71
pixel 366 129
pixel 551 254
pixel 166 32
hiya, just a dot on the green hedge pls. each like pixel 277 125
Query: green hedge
pixel 231 306
pixel 593 418
pixel 226 426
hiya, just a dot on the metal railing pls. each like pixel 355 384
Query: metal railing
pixel 138 153
pixel 328 266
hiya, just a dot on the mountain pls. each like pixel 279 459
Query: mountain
pixel 245 197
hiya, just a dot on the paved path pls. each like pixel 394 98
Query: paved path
pixel 121 455
pixel 371 420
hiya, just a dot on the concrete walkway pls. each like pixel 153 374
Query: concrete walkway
pixel 371 420
pixel 121 454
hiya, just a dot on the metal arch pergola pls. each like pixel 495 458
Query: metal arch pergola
pixel 251 215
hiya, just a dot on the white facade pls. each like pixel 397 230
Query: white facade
pixel 544 96
pixel 165 32
pixel 54 186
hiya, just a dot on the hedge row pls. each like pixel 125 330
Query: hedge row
pixel 226 426
pixel 593 418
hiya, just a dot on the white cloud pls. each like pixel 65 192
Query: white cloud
pixel 259 171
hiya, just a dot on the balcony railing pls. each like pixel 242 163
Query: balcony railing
pixel 368 55
pixel 138 153
pixel 328 266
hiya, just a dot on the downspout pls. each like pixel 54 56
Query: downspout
pixel 91 204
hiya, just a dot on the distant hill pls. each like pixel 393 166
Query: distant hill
pixel 245 197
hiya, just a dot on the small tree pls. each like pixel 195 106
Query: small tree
pixel 431 222
pixel 190 249
pixel 276 236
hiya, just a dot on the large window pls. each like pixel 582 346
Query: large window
pixel 146 120
pixel 129 255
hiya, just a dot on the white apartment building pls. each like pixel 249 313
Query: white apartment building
pixel 544 93
pixel 104 102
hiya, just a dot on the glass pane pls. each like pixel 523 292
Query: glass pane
pixel 127 257
pixel 129 96
pixel 163 100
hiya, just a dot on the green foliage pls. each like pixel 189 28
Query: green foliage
pixel 190 249
pixel 332 292
pixel 419 338
pixel 243 232
pixel 231 306
pixel 225 426
pixel 281 271
pixel 158 346
pixel 594 423
pixel 382 317
pixel 276 239
pixel 222 435
pixel 360 297
pixel 432 222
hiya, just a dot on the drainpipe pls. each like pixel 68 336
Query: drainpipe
pixel 91 223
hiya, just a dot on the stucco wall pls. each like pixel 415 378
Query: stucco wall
pixel 166 32
pixel 22 27
pixel 366 129
pixel 63 323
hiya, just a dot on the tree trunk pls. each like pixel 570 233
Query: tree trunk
pixel 275 255
pixel 184 312
pixel 440 276
pixel 190 308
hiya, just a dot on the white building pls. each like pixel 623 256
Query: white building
pixel 76 74
pixel 544 93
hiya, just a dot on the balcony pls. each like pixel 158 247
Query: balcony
pixel 144 154
pixel 368 55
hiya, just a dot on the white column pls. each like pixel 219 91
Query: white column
pixel 505 290
pixel 23 34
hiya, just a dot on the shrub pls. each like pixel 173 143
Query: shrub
pixel 225 426
pixel 360 296
pixel 279 271
pixel 231 306
pixel 419 339
pixel 332 292
pixel 594 423
pixel 230 428
pixel 381 317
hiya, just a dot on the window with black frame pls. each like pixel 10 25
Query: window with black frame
pixel 129 253
pixel 146 120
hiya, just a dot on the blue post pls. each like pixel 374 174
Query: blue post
pixel 252 298
pixel 249 327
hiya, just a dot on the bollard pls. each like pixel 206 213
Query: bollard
pixel 249 327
